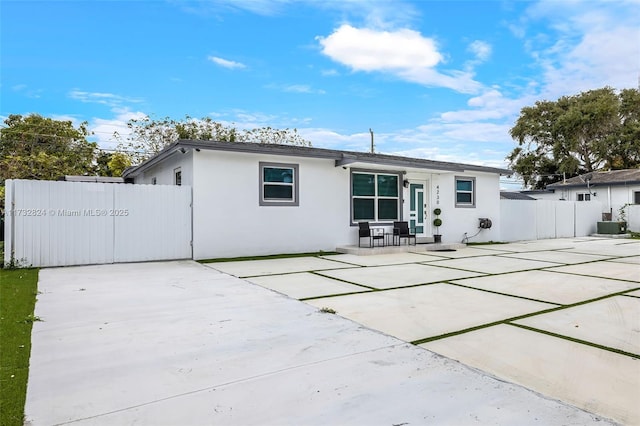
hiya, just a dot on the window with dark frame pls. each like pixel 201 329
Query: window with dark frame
pixel 636 197
pixel 177 177
pixel 465 191
pixel 583 197
pixel 278 184
pixel 375 197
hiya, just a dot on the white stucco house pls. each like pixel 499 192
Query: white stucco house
pixel 613 189
pixel 258 199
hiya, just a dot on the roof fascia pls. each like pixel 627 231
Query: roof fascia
pixel 594 184
pixel 342 158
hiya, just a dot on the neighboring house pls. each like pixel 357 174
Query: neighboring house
pixel 508 195
pixel 256 199
pixel 613 189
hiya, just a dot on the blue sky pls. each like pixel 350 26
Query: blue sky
pixel 443 80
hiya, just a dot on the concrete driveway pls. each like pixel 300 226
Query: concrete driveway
pixel 180 343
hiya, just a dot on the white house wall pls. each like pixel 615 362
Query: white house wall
pixel 456 221
pixel 164 172
pixel 228 220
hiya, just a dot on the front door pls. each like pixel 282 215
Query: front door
pixel 417 208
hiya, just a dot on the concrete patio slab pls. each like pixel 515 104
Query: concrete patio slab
pixel 304 284
pixel 604 269
pixel 171 343
pixel 396 385
pixel 383 259
pixel 552 287
pixel 493 264
pixel 468 252
pixel 609 247
pixel 252 268
pixel 613 322
pixel 593 379
pixel 556 256
pixel 534 245
pixel 382 277
pixel 420 312
pixel 634 260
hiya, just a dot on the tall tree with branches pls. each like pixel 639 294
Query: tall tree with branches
pixel 596 129
pixel 149 136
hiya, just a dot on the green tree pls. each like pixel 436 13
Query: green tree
pixel 118 162
pixel 35 147
pixel 590 131
pixel 147 136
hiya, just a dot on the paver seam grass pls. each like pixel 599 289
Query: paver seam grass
pixel 269 257
pixel 550 261
pixel 18 289
pixel 501 293
pixel 312 271
pixel 590 276
pixel 519 317
pixel 320 274
pixel 491 274
pixel 575 340
pixel 389 288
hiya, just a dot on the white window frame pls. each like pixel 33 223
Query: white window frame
pixel 472 204
pixel 584 195
pixel 177 176
pixel 376 197
pixel 295 185
pixel 154 180
pixel 636 197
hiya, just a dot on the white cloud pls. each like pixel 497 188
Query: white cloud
pixel 296 88
pixel 481 50
pixel 369 50
pixel 591 44
pixel 102 98
pixel 104 129
pixel 404 53
pixel 226 63
pixel 329 73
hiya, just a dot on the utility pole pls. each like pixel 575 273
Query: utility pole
pixel 372 146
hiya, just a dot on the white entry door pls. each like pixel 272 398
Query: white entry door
pixel 418 212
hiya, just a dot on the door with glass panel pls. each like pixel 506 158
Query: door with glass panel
pixel 418 211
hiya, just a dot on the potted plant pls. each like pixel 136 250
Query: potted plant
pixel 437 222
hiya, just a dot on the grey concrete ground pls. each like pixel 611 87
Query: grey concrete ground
pixel 179 343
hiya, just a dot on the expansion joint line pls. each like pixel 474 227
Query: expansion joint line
pixel 575 340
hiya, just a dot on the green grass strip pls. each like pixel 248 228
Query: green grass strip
pixel 501 294
pixel 519 317
pixel 271 256
pixel 18 288
pixel 573 339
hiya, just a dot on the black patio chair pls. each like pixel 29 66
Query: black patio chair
pixel 364 231
pixel 401 230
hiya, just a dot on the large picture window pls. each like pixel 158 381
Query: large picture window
pixel 465 192
pixel 278 184
pixel 375 197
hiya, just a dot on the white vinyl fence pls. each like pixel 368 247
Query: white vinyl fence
pixel 50 223
pixel 633 217
pixel 541 219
